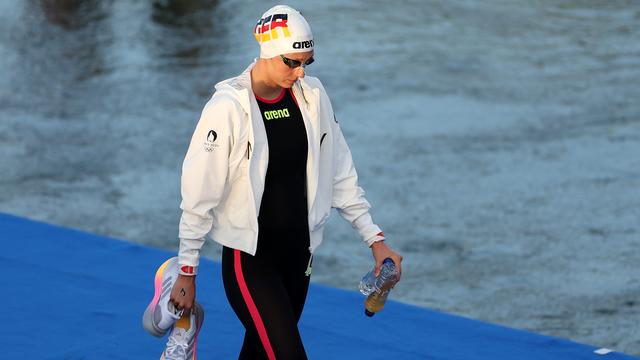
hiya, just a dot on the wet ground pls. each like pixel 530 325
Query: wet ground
pixel 499 143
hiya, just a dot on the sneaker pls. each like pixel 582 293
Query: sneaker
pixel 182 343
pixel 161 314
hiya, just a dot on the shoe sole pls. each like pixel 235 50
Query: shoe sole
pixel 147 319
pixel 199 312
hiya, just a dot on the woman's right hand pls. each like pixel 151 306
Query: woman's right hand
pixel 183 293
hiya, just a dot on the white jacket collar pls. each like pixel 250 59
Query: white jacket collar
pixel 240 87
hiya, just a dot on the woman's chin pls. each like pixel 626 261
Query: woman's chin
pixel 288 83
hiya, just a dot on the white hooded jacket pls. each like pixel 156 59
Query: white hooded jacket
pixel 224 170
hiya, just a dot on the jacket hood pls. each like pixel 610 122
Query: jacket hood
pixel 240 82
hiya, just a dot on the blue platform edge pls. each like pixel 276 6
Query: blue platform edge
pixel 74 295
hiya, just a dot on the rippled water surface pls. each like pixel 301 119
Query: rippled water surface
pixel 499 142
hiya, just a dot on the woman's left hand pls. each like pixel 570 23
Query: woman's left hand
pixel 380 252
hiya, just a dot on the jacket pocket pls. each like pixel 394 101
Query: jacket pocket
pixel 236 206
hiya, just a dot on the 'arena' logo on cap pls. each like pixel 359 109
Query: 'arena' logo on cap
pixel 266 28
pixel 303 44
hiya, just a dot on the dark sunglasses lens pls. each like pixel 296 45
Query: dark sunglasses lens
pixel 295 63
pixel 290 62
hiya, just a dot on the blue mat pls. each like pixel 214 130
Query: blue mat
pixel 74 295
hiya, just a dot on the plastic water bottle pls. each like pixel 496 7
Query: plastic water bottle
pixel 376 289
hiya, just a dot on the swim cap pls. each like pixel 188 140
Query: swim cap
pixel 282 30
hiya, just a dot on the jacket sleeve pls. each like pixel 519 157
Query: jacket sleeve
pixel 204 175
pixel 348 197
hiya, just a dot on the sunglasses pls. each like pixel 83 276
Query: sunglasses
pixel 292 64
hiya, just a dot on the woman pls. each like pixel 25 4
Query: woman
pixel 266 164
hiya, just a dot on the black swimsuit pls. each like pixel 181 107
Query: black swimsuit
pixel 268 291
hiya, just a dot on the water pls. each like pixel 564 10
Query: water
pixel 377 289
pixel 386 279
pixel 498 142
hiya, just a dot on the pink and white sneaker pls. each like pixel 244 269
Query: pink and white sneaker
pixel 161 314
pixel 182 342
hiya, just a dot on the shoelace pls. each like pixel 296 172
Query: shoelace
pixel 177 345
